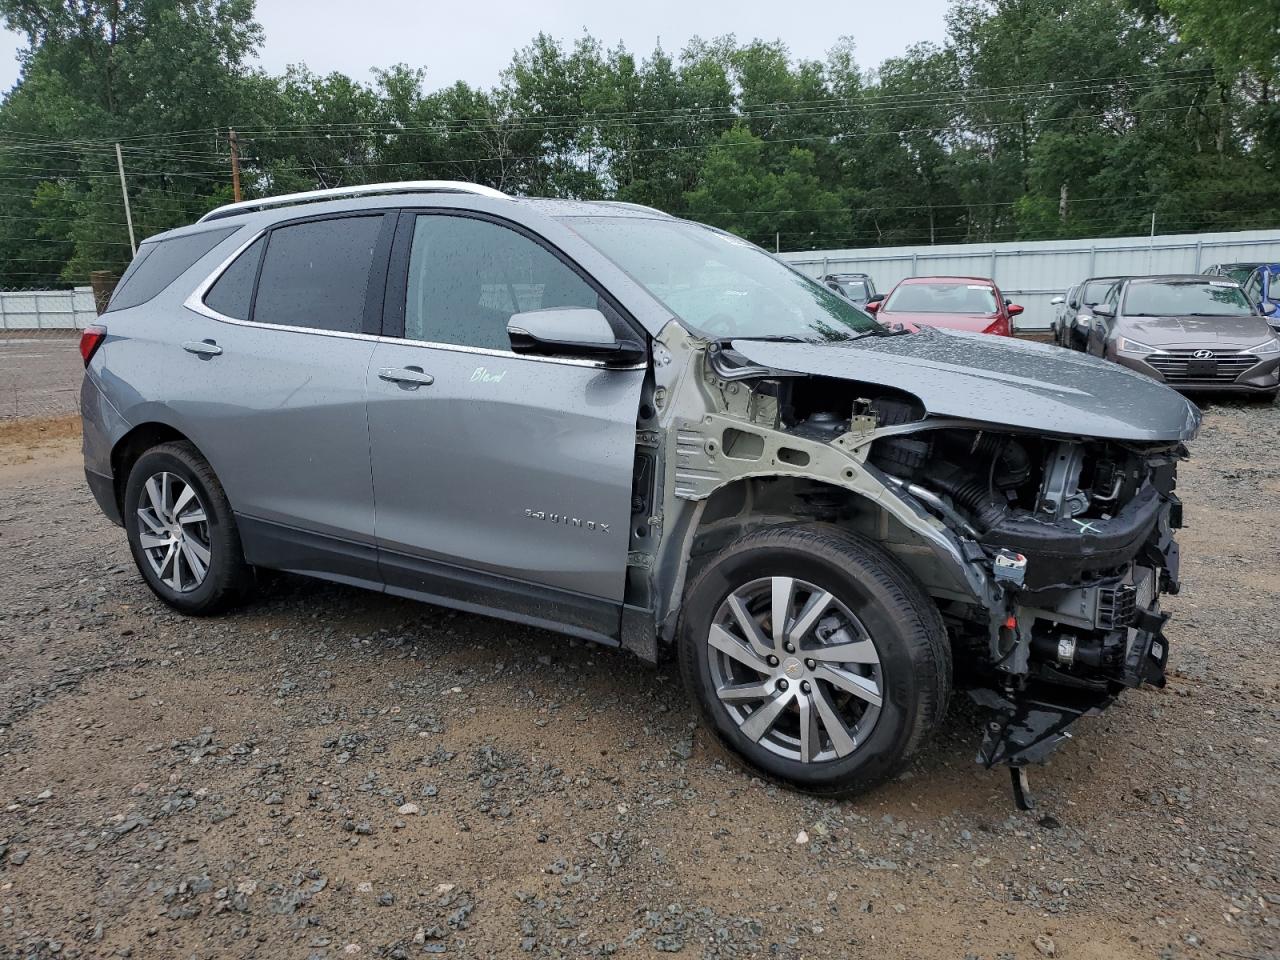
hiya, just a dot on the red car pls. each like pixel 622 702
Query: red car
pixel 959 303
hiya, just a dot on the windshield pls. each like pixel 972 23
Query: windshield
pixel 719 285
pixel 1186 298
pixel 958 297
pixel 1239 272
pixel 1095 291
pixel 853 289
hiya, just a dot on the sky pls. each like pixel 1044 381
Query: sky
pixel 474 41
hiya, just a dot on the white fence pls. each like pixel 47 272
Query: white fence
pixel 1032 273
pixel 47 309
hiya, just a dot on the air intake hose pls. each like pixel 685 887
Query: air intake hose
pixel 970 491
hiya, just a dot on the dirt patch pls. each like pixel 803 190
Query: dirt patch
pixel 24 440
pixel 333 773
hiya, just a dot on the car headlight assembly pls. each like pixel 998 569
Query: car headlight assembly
pixel 1133 346
pixel 1266 349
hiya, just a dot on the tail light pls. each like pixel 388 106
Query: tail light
pixel 90 340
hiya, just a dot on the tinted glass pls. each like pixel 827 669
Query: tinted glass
pixel 1187 298
pixel 316 274
pixel 232 294
pixel 1096 291
pixel 854 289
pixel 942 298
pixel 1239 272
pixel 467 277
pixel 159 263
pixel 719 284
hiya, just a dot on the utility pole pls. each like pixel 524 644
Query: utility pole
pixel 124 190
pixel 235 165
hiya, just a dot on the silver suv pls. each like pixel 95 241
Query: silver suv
pixel 603 420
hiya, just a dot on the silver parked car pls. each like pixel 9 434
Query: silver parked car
pixel 607 421
pixel 1198 334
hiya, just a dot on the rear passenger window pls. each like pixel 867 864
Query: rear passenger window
pixel 232 294
pixel 467 277
pixel 316 274
pixel 159 263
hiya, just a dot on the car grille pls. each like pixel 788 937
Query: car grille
pixel 1176 365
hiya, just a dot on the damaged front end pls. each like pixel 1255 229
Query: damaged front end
pixel 1078 537
pixel 1045 550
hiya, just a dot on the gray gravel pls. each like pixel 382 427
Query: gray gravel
pixel 331 773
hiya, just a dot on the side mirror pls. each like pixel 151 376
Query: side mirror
pixel 875 298
pixel 1270 308
pixel 872 306
pixel 1014 308
pixel 571 332
pixel 1058 301
pixel 1102 310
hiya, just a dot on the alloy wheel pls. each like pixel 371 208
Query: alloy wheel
pixel 795 669
pixel 174 532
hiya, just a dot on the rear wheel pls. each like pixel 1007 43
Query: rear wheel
pixel 182 532
pixel 814 656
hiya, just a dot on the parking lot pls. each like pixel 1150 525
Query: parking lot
pixel 39 374
pixel 333 773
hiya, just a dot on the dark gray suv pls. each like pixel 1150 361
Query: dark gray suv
pixel 600 419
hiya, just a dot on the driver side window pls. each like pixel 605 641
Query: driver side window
pixel 1253 288
pixel 468 276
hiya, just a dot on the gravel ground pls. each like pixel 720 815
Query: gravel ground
pixel 329 773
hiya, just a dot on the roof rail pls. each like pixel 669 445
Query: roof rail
pixel 635 206
pixel 365 190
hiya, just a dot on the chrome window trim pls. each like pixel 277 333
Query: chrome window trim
pixel 195 303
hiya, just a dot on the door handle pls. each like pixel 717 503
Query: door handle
pixel 202 348
pixel 409 376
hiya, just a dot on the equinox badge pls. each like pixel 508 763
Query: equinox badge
pixel 565 520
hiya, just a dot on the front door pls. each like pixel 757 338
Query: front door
pixel 502 482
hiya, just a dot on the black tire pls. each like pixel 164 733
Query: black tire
pixel 904 624
pixel 228 579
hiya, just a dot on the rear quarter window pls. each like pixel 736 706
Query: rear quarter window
pixel 159 263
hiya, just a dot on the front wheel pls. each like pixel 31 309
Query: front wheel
pixel 182 532
pixel 815 656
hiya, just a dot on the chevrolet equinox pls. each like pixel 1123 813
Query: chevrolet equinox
pixel 611 422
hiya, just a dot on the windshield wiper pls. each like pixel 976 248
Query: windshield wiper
pixel 768 338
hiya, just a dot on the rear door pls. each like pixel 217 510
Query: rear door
pixel 503 481
pixel 280 406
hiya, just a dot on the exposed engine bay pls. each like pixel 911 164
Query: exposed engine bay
pixel 1045 552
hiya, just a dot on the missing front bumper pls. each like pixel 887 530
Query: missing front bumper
pixel 1029 723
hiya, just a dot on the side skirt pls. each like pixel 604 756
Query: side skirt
pixel 280 547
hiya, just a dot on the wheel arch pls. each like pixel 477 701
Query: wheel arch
pixel 133 444
pixel 743 504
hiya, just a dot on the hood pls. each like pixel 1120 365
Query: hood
pixel 973 322
pixel 1190 333
pixel 998 380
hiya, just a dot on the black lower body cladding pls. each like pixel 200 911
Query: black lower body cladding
pixel 1063 553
